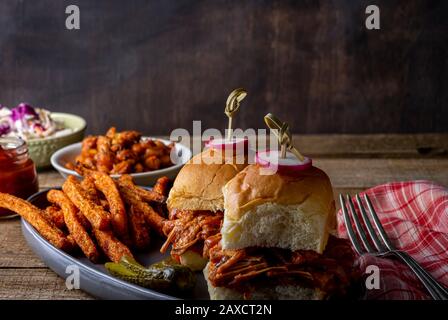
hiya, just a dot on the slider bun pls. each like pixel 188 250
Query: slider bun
pixel 295 213
pixel 198 185
pixel 284 292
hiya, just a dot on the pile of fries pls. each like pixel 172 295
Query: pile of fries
pixel 98 215
pixel 121 153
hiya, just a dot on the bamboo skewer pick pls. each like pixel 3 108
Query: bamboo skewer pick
pixel 232 106
pixel 283 151
pixel 281 130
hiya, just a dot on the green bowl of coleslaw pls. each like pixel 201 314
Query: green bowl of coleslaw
pixel 41 149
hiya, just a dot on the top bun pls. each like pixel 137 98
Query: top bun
pixel 292 212
pixel 198 186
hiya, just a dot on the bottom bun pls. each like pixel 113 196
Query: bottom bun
pixel 193 260
pixel 289 292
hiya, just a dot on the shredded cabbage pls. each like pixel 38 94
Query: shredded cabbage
pixel 27 122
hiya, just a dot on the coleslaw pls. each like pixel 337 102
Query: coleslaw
pixel 27 123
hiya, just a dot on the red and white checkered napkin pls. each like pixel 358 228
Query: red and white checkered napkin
pixel 415 217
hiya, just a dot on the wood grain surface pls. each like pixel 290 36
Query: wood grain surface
pixel 370 160
pixel 159 65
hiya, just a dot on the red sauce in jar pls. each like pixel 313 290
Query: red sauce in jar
pixel 18 174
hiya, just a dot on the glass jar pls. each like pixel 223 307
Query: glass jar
pixel 18 174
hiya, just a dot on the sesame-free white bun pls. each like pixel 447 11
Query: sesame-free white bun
pixel 198 186
pixel 280 292
pixel 281 211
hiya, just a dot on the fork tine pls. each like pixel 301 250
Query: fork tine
pixel 348 225
pixel 378 244
pixel 378 225
pixel 358 226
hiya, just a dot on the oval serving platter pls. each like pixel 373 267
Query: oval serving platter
pixel 94 278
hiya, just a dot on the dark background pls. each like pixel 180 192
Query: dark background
pixel 158 65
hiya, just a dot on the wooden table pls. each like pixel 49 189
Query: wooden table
pixel 353 162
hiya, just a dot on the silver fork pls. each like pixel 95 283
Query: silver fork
pixel 382 245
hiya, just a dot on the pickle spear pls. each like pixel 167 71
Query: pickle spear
pixel 123 273
pixel 164 275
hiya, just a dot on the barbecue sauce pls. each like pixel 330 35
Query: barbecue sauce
pixel 18 174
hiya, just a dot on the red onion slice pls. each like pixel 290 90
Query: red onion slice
pixel 239 145
pixel 272 160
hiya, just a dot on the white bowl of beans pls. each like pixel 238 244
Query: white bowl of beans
pixel 145 172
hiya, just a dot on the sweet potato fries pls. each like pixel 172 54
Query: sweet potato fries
pixel 75 227
pixel 96 215
pixel 99 216
pixel 36 218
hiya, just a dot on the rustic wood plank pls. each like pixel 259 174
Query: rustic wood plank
pixel 365 173
pixel 424 146
pixel 349 176
pixel 420 146
pixel 42 284
pixel 356 172
pixel 24 276
pixel 376 145
pixel 50 178
pixel 13 247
